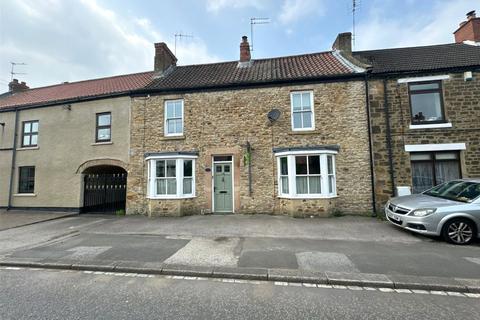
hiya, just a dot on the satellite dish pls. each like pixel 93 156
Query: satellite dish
pixel 273 115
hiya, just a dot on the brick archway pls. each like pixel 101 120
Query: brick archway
pixel 101 162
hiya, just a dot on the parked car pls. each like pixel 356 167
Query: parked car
pixel 450 210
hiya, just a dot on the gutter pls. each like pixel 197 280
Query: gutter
pixel 14 154
pixel 381 75
pixel 388 134
pixel 370 147
pixel 65 101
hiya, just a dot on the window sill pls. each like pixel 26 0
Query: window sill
pixel 431 126
pixel 170 198
pixel 173 138
pixel 306 197
pixel 101 143
pixel 28 148
pixel 309 131
pixel 25 195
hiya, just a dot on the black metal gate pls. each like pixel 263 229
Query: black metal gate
pixel 104 192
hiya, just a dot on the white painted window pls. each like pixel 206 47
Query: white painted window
pixel 171 177
pixel 173 117
pixel 308 175
pixel 302 110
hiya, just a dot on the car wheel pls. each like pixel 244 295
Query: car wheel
pixel 459 231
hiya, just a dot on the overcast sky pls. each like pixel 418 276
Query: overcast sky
pixel 69 40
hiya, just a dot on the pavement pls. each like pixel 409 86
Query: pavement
pixel 18 218
pixel 60 294
pixel 356 251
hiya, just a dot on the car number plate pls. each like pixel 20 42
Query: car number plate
pixel 394 217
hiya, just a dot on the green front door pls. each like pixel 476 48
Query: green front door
pixel 222 187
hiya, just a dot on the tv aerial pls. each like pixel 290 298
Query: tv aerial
pixel 255 21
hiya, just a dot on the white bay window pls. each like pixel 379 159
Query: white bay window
pixel 171 177
pixel 306 174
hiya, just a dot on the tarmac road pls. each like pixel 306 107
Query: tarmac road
pixel 54 294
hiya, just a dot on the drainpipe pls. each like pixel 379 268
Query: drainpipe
pixel 370 147
pixel 12 169
pixel 388 134
pixel 249 152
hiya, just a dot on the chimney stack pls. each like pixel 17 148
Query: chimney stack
pixel 468 30
pixel 343 42
pixel 14 86
pixel 245 50
pixel 164 58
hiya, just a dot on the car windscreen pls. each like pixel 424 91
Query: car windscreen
pixel 464 191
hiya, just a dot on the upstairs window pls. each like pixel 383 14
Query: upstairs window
pixel 426 102
pixel 302 110
pixel 26 179
pixel 173 118
pixel 104 127
pixel 30 134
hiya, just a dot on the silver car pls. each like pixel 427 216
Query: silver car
pixel 450 210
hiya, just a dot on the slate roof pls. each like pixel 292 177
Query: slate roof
pixel 224 74
pixel 76 90
pixel 425 58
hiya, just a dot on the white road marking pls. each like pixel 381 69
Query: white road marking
pixel 256 282
pixel 474 260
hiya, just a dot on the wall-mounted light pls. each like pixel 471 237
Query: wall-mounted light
pixel 67 107
pixel 2 124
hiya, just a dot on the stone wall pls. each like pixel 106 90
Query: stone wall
pixel 462 109
pixel 221 122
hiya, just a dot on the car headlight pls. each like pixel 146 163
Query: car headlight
pixel 423 212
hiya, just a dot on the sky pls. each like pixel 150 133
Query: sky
pixel 71 40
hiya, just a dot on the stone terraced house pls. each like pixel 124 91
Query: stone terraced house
pixel 425 113
pixel 312 134
pixel 279 135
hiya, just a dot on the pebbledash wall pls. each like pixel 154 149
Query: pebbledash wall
pixel 462 110
pixel 221 122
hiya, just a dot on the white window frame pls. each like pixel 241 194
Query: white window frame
pixel 292 185
pixel 166 119
pixel 310 92
pixel 179 176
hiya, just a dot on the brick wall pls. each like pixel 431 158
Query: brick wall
pixel 216 121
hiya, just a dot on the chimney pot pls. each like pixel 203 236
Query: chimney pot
pixel 164 58
pixel 245 55
pixel 468 30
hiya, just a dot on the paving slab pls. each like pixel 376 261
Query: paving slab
pixel 207 252
pixel 268 259
pixel 325 261
pixel 18 218
pixel 359 279
pixel 427 283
